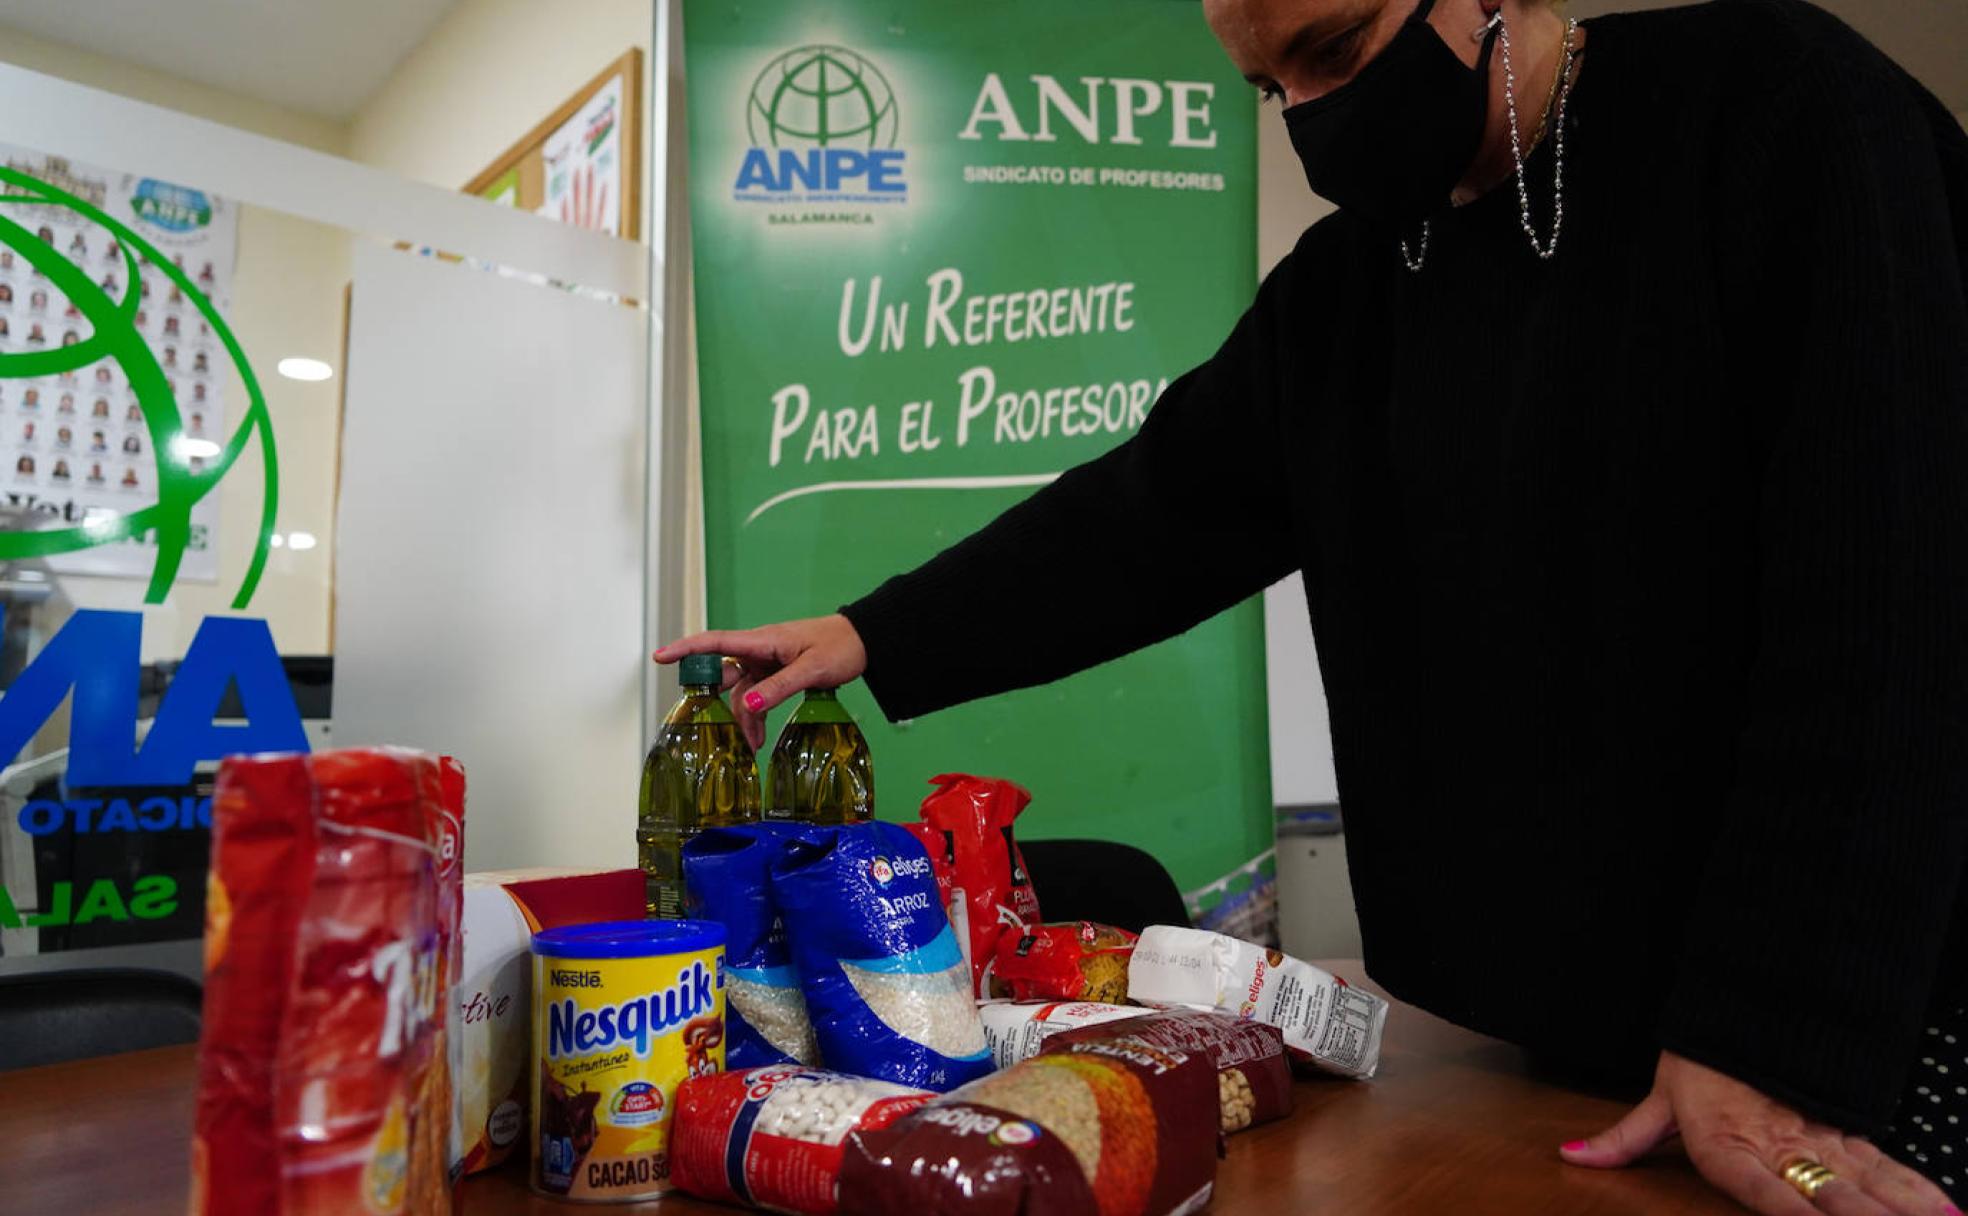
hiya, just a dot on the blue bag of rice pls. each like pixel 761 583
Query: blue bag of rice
pixel 727 873
pixel 886 984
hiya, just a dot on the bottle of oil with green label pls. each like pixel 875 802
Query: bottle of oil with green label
pixel 821 771
pixel 700 774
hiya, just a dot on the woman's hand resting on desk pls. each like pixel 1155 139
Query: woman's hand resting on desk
pixel 776 661
pixel 1741 1141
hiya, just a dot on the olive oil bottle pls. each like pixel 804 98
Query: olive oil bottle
pixel 701 773
pixel 821 770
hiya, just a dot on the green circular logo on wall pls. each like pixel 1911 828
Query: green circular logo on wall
pixel 182 479
pixel 821 96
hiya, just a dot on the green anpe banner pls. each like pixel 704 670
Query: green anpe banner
pixel 943 253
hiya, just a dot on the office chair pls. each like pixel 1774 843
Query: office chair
pixel 1103 881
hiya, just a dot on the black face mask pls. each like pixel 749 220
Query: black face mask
pixel 1390 144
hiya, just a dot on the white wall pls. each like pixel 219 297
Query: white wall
pixel 287 300
pixel 173 92
pixel 486 74
pixel 1301 742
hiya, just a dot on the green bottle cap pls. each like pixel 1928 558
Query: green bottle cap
pixel 702 669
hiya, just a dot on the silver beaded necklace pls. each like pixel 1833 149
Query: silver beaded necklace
pixel 1545 249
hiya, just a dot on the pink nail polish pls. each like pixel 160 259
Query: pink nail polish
pixel 1576 1146
pixel 754 702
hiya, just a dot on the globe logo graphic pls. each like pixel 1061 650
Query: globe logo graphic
pixel 185 469
pixel 819 97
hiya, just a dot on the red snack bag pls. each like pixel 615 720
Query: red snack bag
pixel 1072 961
pixel 773 1137
pixel 331 948
pixel 966 828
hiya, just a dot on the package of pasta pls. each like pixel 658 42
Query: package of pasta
pixel 331 952
pixel 1078 961
pixel 1253 1080
pixel 728 875
pixel 1119 1127
pixel 885 984
pixel 966 830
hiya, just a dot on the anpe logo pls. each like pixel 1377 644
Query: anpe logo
pixel 882 872
pixel 823 125
pixel 172 208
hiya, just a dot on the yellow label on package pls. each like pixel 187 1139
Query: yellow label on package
pixel 623 1011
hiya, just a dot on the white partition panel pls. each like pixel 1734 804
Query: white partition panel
pixel 51 114
pixel 490 583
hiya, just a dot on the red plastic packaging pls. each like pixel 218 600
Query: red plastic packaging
pixel 966 829
pixel 774 1137
pixel 1117 1127
pixel 331 949
pixel 1071 961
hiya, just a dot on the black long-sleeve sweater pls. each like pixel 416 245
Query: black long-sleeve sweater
pixel 1639 576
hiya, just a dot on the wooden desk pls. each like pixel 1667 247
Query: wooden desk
pixel 1451 1124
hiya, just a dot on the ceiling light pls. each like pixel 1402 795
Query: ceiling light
pixel 300 540
pixel 276 540
pixel 188 449
pixel 296 368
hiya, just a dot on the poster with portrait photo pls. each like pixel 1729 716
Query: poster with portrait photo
pixel 76 445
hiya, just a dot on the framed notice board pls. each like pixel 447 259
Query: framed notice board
pixel 582 164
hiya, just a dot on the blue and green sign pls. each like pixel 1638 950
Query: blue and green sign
pixel 119 842
pixel 115 337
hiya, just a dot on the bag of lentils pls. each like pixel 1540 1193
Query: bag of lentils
pixel 1119 1127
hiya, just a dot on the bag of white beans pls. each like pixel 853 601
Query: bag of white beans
pixel 772 1137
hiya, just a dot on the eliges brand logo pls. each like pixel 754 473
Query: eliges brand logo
pixel 823 125
pixel 882 872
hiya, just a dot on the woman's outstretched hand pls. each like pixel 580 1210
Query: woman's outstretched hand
pixel 776 661
pixel 1741 1141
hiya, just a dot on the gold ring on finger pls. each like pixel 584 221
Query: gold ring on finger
pixel 1808 1176
pixel 734 665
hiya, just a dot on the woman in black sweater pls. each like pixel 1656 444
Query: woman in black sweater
pixel 1618 423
